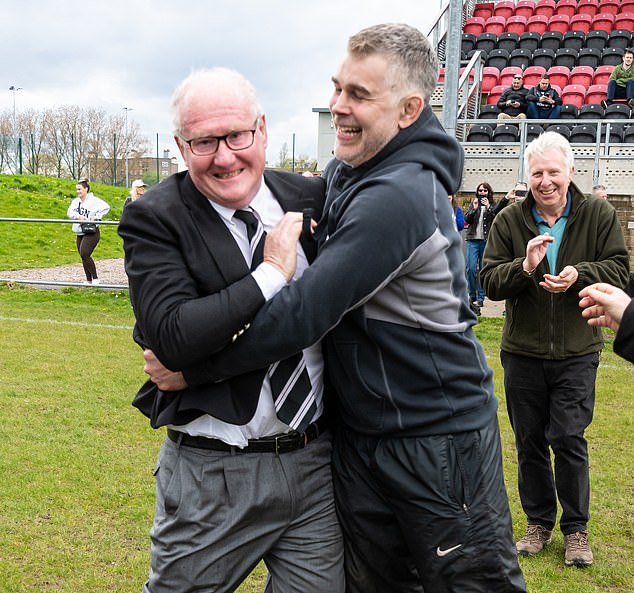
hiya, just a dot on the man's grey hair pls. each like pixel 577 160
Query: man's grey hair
pixel 412 61
pixel 549 141
pixel 222 78
pixel 599 186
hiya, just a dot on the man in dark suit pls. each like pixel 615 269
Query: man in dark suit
pixel 243 476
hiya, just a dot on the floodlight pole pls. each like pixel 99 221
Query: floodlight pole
pixel 14 89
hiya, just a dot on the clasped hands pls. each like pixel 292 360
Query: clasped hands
pixel 535 252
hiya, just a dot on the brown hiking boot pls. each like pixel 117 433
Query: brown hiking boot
pixel 534 541
pixel 578 552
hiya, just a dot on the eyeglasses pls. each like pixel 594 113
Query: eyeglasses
pixel 517 78
pixel 209 144
pixel 483 190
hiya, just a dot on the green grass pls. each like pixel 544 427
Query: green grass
pixel 76 460
pixel 34 245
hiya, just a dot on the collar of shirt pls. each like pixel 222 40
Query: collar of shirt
pixel 565 214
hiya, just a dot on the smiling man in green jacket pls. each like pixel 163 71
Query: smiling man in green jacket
pixel 541 252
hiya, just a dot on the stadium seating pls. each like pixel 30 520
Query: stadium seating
pixel 589 7
pixel 628 135
pixel 506 133
pixel 559 75
pixel 617 111
pixel 615 133
pixel 499 58
pixel 603 22
pixel 597 39
pixel 507 74
pixel 588 56
pixel 495 24
pixel 596 93
pixel 480 133
pixel 545 57
pixel 532 75
pixel 525 8
pixel 537 23
pixel 566 7
pixel 520 57
pixel 504 8
pixel 532 131
pixel 583 134
pixel 574 40
pixel 562 129
pixel 566 56
pixel 494 95
pixel 574 94
pixel 551 40
pixel 612 56
pixel 582 75
pixel 620 37
pixel 484 9
pixel 486 42
pixel 516 24
pixel 609 6
pixel 474 25
pixel 559 22
pixel 468 42
pixel 627 6
pixel 490 78
pixel 624 20
pixel 545 8
pixel 602 74
pixel 508 41
pixel 581 22
pixel 529 40
pixel 489 112
pixel 590 111
pixel 569 111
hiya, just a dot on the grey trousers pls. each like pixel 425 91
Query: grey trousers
pixel 218 514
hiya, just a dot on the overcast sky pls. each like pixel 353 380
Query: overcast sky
pixel 132 53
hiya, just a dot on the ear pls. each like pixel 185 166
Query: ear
pixel 411 108
pixel 262 128
pixel 181 146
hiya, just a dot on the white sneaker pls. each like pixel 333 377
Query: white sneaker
pixel 95 281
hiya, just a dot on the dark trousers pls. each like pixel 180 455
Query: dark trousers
pixel 425 513
pixel 618 92
pixel 550 404
pixel 85 246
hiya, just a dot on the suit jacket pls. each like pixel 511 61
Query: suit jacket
pixel 192 291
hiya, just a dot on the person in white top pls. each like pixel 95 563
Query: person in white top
pixel 86 208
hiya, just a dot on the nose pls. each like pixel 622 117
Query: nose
pixel 224 155
pixel 338 102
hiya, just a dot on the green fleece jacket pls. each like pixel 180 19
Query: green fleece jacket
pixel 621 75
pixel 539 323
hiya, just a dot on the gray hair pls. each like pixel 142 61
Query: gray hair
pixel 412 66
pixel 549 141
pixel 222 78
pixel 599 186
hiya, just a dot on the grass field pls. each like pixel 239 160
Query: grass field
pixel 76 460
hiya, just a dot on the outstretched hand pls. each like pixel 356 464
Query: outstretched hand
pixel 603 305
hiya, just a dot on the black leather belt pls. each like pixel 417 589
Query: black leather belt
pixel 280 443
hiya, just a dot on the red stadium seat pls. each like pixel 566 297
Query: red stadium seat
pixel 507 74
pixel 626 6
pixel 516 24
pixel 490 78
pixel 590 7
pixel 532 75
pixel 485 10
pixel 504 8
pixel 567 7
pixel 624 20
pixel 471 73
pixel 474 25
pixel 559 22
pixel 574 94
pixel 596 93
pixel 582 75
pixel 580 22
pixel 495 24
pixel 441 75
pixel 545 7
pixel 602 74
pixel 495 94
pixel 603 22
pixel 538 23
pixel 559 75
pixel 609 6
pixel 524 8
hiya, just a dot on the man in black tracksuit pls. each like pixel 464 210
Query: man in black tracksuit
pixel 417 460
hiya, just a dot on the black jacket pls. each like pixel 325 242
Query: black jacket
pixel 513 95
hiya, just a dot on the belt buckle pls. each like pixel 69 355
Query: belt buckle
pixel 277 443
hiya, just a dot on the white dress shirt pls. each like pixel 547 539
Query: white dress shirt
pixel 265 422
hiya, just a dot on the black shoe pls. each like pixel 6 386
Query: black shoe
pixel 480 304
pixel 630 102
pixel 604 104
pixel 474 307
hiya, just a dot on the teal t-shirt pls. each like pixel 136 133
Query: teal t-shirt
pixel 556 231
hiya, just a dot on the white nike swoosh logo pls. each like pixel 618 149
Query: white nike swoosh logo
pixel 440 553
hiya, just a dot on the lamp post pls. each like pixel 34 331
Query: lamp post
pixel 126 109
pixel 14 89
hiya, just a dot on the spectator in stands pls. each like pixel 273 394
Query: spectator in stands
pixel 621 83
pixel 479 217
pixel 512 101
pixel 600 191
pixel 543 100
pixel 539 255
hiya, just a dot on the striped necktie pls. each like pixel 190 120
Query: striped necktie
pixel 291 389
pixel 255 234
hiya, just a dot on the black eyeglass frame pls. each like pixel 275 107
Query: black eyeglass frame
pixel 219 139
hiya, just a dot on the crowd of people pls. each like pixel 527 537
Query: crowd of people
pixel 328 408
